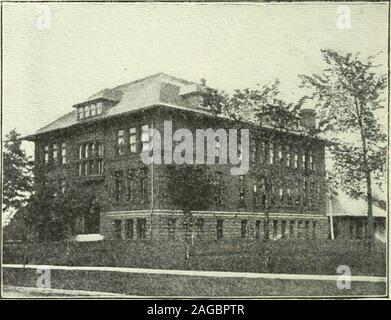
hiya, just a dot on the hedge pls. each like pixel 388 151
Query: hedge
pixel 283 256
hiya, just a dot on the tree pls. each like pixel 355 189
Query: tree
pixel 17 173
pixel 261 107
pixel 348 93
pixel 190 188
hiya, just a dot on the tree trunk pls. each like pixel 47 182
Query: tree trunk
pixel 371 232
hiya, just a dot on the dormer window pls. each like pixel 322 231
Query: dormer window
pixel 89 110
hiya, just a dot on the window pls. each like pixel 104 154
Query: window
pixel 86 151
pixel 241 190
pixel 254 153
pixel 130 184
pixel 81 152
pixel 99 108
pixel 257 229
pixel 117 229
pixel 311 160
pixel 86 111
pixel 63 153
pixel 243 229
pixel 80 113
pixel 217 147
pixel 132 140
pixel 262 152
pixel 46 154
pixel 275 229
pixel 200 225
pixel 100 166
pixel 288 156
pixel 80 169
pixel 100 150
pixel 171 228
pixel 120 142
pixel 281 195
pixel 219 228
pixel 271 153
pixel 143 185
pixel 280 153
pixel 86 169
pixel 313 229
pixel 55 153
pixel 129 229
pixel 289 195
pixel 283 229
pixel 240 151
pixel 265 151
pixel 292 229
pixel 296 161
pixel 141 228
pixel 255 194
pixel 118 185
pixel 145 137
pixel 63 186
pixel 307 229
pixel 303 160
pixel 93 109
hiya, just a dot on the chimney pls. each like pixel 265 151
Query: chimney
pixel 203 82
pixel 307 118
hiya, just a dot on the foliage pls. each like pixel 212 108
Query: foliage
pixel 348 93
pixel 17 173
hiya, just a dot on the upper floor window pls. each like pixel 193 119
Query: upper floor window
pixel 271 153
pixel 46 154
pixel 80 113
pixel 288 156
pixel 80 152
pixel 99 108
pixel 89 110
pixel 280 153
pixel 303 160
pixel 100 150
pixel 296 160
pixel 145 137
pixel 120 142
pixel 55 153
pixel 93 110
pixel 311 160
pixel 63 153
pixel 132 140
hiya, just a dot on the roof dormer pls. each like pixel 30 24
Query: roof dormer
pixel 97 104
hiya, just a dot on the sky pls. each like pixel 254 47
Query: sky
pixel 87 47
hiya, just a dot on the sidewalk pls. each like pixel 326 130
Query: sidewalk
pixel 196 273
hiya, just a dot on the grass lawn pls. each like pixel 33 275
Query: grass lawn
pixel 173 285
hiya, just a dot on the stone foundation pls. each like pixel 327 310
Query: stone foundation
pixel 171 224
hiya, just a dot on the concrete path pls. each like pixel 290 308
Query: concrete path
pixel 31 292
pixel 195 273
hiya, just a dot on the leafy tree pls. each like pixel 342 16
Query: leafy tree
pixel 261 107
pixel 17 173
pixel 348 94
pixel 190 188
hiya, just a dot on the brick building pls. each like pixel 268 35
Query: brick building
pixel 99 143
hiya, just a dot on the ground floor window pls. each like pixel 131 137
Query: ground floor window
pixel 141 228
pixel 171 228
pixel 200 225
pixel 257 229
pixel 219 227
pixel 243 230
pixel 117 229
pixel 129 229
